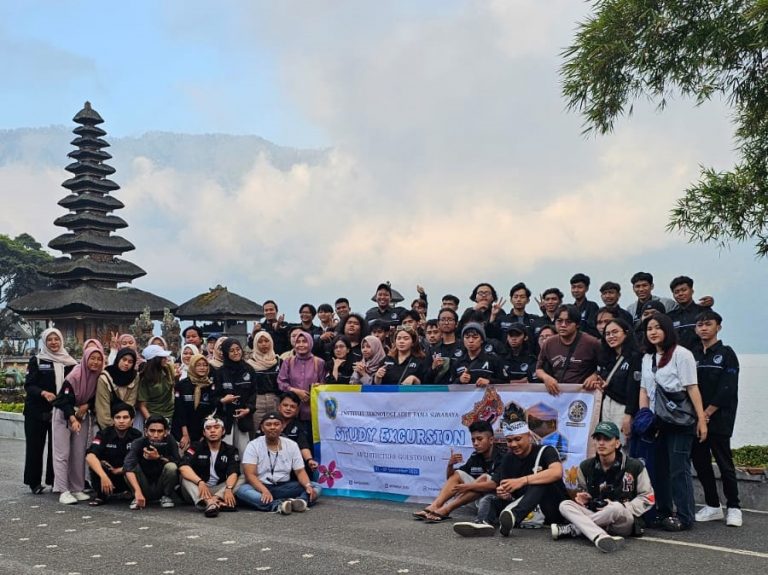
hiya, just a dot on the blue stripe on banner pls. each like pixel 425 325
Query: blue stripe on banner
pixel 364 494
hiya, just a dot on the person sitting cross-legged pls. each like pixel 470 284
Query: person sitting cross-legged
pixel 468 482
pixel 613 490
pixel 210 471
pixel 528 476
pixel 267 465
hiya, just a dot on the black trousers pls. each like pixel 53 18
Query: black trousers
pixel 547 497
pixel 121 485
pixel 38 434
pixel 718 446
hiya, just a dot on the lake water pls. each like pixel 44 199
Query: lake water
pixel 751 418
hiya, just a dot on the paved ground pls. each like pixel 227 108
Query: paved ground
pixel 345 536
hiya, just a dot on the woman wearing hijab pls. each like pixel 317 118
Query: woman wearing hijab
pixel 299 373
pixel 373 358
pixel 195 401
pixel 266 364
pixel 72 424
pixel 187 351
pixel 118 383
pixel 235 390
pixel 217 360
pixel 45 376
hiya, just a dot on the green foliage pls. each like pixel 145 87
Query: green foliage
pixel 12 407
pixel 632 49
pixel 751 456
pixel 20 258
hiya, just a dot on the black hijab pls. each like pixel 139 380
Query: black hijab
pixel 119 377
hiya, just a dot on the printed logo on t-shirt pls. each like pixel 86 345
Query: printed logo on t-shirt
pixel 718 359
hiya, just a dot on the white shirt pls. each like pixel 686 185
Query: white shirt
pixel 273 466
pixel 213 480
pixel 678 374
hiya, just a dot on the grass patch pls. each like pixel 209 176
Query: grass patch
pixel 12 407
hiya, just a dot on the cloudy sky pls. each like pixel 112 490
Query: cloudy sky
pixel 450 158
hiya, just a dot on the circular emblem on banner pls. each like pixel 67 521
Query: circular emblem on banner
pixel 718 359
pixel 331 407
pixel 577 411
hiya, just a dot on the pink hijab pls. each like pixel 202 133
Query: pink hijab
pixel 377 358
pixel 82 379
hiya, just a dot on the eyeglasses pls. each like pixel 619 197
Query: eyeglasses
pixel 484 292
pixel 447 320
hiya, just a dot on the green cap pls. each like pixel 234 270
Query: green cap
pixel 607 429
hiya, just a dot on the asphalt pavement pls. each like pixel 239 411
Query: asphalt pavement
pixel 338 536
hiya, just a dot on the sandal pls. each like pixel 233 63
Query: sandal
pixel 423 514
pixel 434 517
pixel 96 502
pixel 212 510
pixel 38 490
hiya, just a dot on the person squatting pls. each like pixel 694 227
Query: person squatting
pixel 227 424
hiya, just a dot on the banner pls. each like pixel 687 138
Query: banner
pixel 393 442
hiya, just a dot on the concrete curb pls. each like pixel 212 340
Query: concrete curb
pixel 11 425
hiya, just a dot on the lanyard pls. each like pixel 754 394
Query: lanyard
pixel 273 463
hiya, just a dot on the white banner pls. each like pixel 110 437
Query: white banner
pixel 394 442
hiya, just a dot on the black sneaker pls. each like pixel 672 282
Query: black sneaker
pixel 507 521
pixel 474 529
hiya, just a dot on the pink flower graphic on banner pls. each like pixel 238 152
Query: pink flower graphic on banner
pixel 329 474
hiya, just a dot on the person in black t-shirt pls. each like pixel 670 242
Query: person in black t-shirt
pixel 468 482
pixel 521 484
pixel 107 452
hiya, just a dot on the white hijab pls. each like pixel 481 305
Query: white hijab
pixel 60 359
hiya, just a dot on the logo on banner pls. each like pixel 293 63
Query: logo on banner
pixel 331 407
pixel 577 411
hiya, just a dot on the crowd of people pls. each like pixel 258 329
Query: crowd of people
pixel 228 423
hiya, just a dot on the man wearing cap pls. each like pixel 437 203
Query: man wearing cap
pixel 613 490
pixel 384 311
pixel 571 357
pixel 210 471
pixel 267 465
pixel 476 366
pixel 528 476
pixel 520 364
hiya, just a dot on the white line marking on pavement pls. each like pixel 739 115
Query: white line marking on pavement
pixel 703 546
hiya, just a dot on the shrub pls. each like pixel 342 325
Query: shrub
pixel 751 456
pixel 12 407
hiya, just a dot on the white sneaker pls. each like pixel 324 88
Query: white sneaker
pixel 298 505
pixel 708 513
pixel 67 498
pixel 474 529
pixel 733 517
pixel 285 507
pixel 609 544
pixel 134 505
pixel 166 502
pixel 80 496
pixel 562 530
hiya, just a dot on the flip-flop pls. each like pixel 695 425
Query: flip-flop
pixel 96 502
pixel 421 515
pixel 38 490
pixel 433 517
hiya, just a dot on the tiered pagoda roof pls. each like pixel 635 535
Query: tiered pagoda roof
pixel 88 275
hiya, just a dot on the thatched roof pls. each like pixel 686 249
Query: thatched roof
pixel 219 304
pixel 87 299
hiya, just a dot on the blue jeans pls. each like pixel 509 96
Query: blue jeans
pixel 251 496
pixel 674 483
